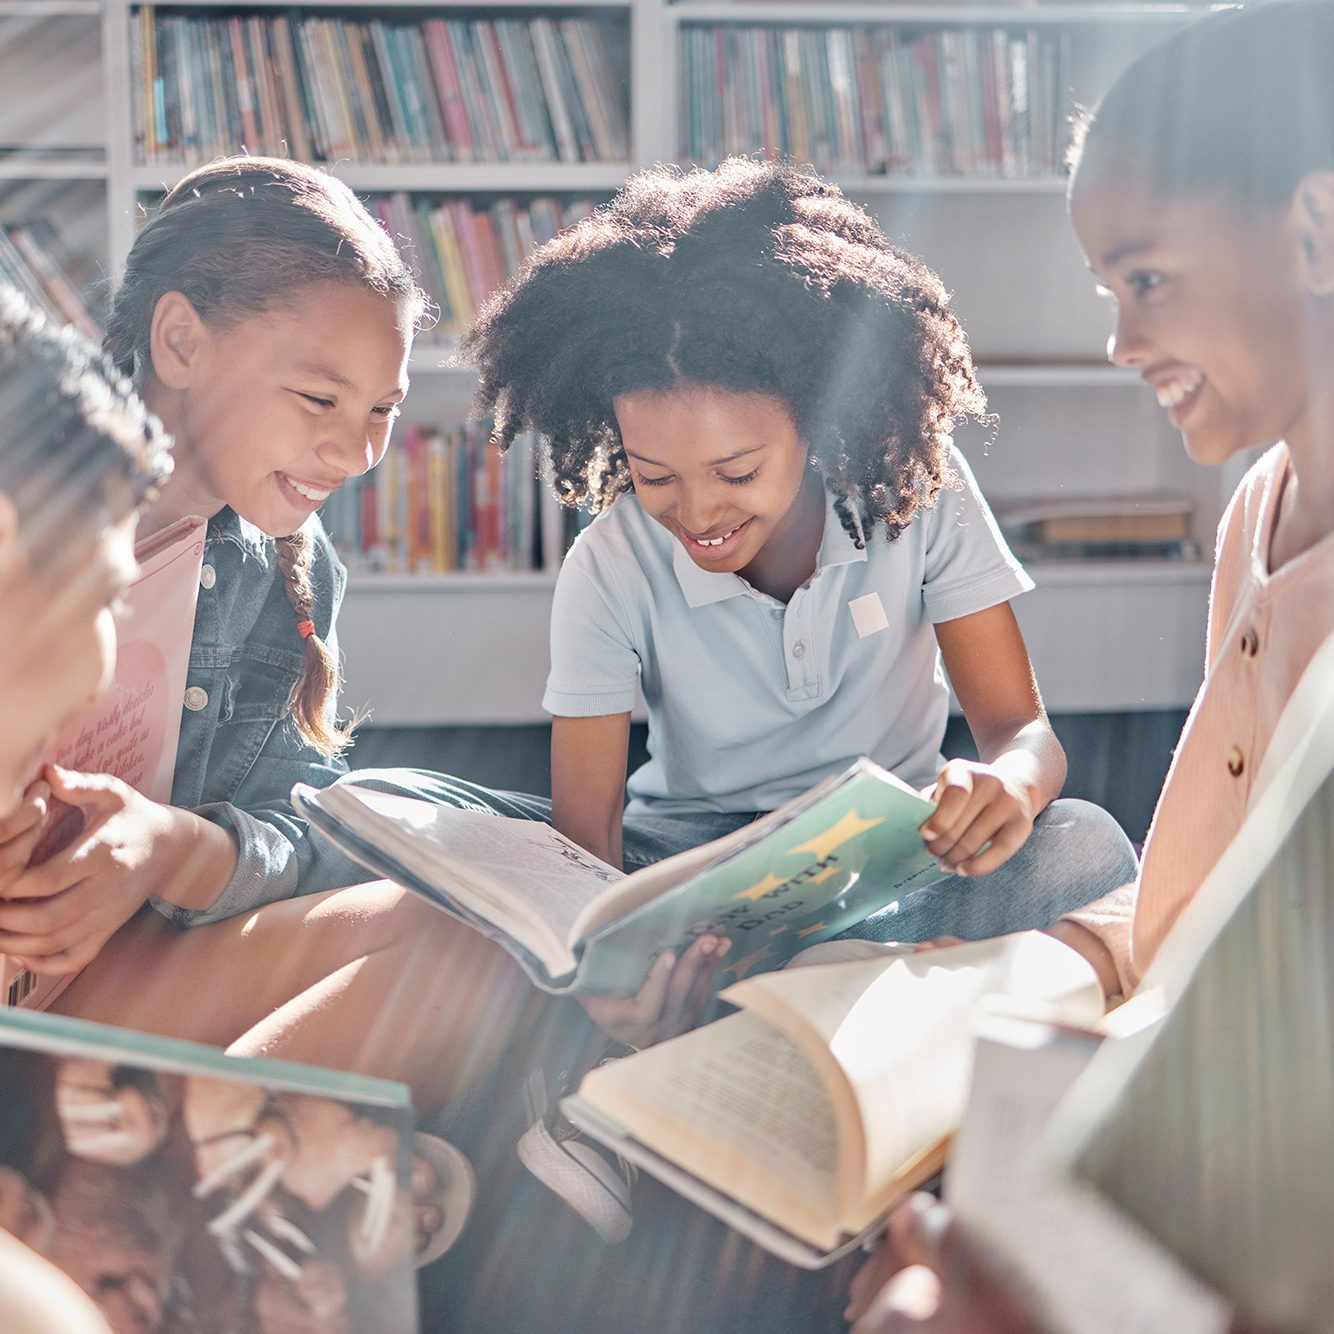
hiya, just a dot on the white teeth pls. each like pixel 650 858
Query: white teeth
pixel 1177 391
pixel 308 491
pixel 714 541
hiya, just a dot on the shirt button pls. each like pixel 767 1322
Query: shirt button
pixel 208 576
pixel 798 649
pixel 778 613
pixel 1250 644
pixel 196 698
pixel 1236 762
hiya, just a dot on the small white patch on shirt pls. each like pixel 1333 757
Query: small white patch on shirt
pixel 868 614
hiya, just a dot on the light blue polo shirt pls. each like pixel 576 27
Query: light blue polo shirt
pixel 751 701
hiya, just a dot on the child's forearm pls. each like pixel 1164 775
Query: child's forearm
pixel 1029 757
pixel 199 861
pixel 600 837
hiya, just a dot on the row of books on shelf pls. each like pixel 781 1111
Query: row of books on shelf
pixel 34 259
pixel 465 250
pixel 878 100
pixel 446 501
pixel 324 88
pixel 1109 527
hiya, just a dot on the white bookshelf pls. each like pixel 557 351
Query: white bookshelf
pixel 472 648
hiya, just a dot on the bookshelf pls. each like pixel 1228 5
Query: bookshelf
pixel 1104 634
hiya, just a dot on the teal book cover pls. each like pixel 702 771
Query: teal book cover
pixel 805 875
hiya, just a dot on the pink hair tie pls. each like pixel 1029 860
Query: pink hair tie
pixel 305 629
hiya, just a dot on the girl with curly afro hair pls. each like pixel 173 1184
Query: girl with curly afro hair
pixel 755 391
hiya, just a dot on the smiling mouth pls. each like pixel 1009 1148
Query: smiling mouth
pixel 714 548
pixel 1177 395
pixel 316 495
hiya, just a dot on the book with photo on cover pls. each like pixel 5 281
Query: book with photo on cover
pixel 832 1093
pixel 191 1191
pixel 131 731
pixel 806 871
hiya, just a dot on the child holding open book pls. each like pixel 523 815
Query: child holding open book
pixel 795 558
pixel 1203 197
pixel 267 319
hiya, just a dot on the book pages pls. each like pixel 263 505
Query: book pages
pixel 897 1031
pixel 737 1104
pixel 1081 1262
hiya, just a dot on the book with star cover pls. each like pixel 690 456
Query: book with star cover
pixel 833 1091
pixel 829 858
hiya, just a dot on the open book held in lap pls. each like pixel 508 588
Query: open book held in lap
pixel 825 860
pixel 834 1092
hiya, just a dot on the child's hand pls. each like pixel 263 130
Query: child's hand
pixel 981 818
pixel 928 1274
pixel 56 917
pixel 671 1000
pixel 20 832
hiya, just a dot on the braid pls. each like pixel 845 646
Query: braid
pixel 317 687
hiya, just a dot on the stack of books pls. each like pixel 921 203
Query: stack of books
pixel 1099 527
pixel 326 89
pixel 984 102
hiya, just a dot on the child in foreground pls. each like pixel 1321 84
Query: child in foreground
pixel 78 457
pixel 1204 199
pixel 796 555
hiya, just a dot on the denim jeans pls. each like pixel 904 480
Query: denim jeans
pixel 1075 854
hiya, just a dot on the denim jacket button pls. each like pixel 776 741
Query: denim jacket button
pixel 208 576
pixel 196 698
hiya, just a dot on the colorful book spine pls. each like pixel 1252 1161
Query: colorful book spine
pixel 384 90
pixel 446 501
pixel 957 101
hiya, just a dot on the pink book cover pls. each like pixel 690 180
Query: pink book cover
pixel 133 729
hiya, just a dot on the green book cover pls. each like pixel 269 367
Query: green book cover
pixel 188 1190
pixel 803 876
pixel 829 858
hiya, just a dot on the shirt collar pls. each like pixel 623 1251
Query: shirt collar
pixel 228 526
pixel 702 588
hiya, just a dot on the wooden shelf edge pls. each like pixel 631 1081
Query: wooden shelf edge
pixel 792 12
pixel 362 582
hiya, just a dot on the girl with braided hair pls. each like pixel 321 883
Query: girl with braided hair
pixel 267 319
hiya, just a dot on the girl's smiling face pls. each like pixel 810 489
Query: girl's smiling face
pixel 273 414
pixel 720 470
pixel 1211 308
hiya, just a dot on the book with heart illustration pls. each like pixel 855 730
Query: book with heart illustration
pixel 132 729
pixel 829 858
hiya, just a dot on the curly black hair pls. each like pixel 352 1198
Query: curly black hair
pixel 756 277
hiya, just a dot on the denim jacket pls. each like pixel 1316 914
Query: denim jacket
pixel 239 753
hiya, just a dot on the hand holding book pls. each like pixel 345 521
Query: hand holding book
pixel 672 1000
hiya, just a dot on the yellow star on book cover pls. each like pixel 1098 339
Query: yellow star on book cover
pixel 747 964
pixel 840 832
pixel 760 888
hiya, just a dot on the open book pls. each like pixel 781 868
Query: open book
pixel 188 1190
pixel 803 1118
pixel 802 873
pixel 132 730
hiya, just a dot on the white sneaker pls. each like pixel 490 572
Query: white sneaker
pixel 594 1184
